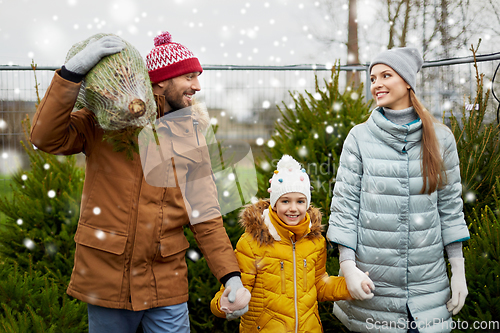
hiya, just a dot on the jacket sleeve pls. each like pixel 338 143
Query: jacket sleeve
pixel 450 204
pixel 215 304
pixel 200 193
pixel 247 264
pixel 216 247
pixel 346 196
pixel 55 128
pixel 329 288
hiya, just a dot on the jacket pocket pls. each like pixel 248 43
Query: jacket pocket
pixel 170 268
pixel 99 239
pixel 269 322
pixel 99 263
pixel 173 244
pixel 187 149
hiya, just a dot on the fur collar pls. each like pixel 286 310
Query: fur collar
pixel 200 113
pixel 255 224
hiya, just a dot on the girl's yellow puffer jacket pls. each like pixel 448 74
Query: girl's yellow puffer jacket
pixel 285 278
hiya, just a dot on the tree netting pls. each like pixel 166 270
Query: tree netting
pixel 117 90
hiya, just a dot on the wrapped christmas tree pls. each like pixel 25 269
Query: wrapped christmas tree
pixel 117 90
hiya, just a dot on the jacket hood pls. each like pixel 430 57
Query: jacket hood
pixel 254 223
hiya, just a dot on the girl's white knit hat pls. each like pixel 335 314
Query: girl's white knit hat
pixel 289 177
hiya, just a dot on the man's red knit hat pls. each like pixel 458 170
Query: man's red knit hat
pixel 168 59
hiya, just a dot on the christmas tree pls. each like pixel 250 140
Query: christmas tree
pixel 37 246
pixel 482 266
pixel 479 151
pixel 33 302
pixel 312 131
pixel 478 147
pixel 42 214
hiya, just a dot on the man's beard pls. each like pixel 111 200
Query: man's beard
pixel 176 102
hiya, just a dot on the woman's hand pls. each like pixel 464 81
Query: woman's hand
pixel 360 286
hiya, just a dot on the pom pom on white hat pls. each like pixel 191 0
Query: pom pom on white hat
pixel 289 177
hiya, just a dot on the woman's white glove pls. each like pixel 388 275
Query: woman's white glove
pixel 458 285
pixel 360 286
pixel 83 61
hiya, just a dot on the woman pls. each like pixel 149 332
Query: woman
pixel 397 205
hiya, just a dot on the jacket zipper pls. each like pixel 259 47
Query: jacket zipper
pixel 195 122
pixel 283 290
pixel 305 274
pixel 295 288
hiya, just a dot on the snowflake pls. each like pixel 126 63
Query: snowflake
pixel 30 245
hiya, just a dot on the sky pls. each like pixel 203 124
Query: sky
pixel 257 32
pixel 218 32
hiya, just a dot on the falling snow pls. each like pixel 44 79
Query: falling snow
pixel 265 166
pixel 193 255
pixel 100 234
pixel 29 244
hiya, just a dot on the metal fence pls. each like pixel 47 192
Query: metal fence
pixel 243 100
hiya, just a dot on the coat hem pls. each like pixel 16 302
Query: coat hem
pixel 126 305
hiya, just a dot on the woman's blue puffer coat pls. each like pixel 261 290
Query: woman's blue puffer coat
pixel 398 234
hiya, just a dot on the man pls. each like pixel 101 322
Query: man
pixel 130 246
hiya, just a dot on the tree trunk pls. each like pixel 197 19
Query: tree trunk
pixel 352 41
pixel 443 29
pixel 406 23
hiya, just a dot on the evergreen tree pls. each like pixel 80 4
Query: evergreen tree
pixel 313 131
pixel 34 302
pixel 478 147
pixel 37 246
pixel 42 213
pixel 482 266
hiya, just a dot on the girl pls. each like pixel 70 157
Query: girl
pixel 397 205
pixel 282 257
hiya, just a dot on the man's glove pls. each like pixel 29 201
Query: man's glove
pixel 83 61
pixel 458 285
pixel 233 296
pixel 354 278
pixel 226 306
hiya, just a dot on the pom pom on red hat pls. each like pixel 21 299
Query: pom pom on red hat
pixel 169 59
pixel 164 38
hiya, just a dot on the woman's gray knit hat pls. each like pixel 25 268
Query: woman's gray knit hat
pixel 406 61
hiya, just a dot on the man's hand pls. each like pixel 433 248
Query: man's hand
pixel 458 285
pixel 360 286
pixel 83 61
pixel 238 298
